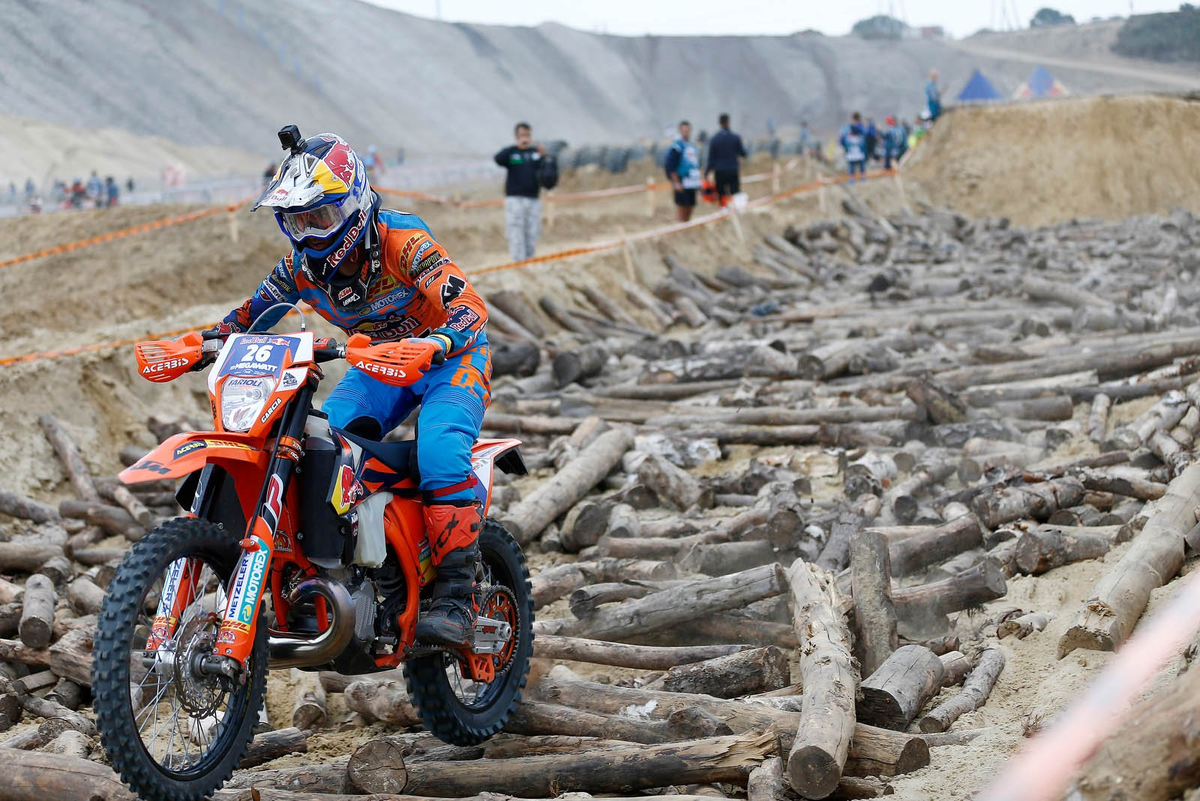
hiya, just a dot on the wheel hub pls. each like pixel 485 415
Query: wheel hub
pixel 200 691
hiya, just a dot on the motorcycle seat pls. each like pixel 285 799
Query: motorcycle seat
pixel 398 456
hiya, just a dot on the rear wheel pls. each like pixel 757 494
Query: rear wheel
pixel 171 730
pixel 454 708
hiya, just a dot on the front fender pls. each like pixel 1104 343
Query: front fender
pixel 184 454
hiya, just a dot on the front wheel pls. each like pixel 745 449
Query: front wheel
pixel 171 730
pixel 454 708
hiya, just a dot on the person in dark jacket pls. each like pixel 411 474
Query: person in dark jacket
pixel 522 206
pixel 723 153
pixel 853 140
pixel 682 166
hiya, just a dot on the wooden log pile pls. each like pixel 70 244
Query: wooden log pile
pixel 765 503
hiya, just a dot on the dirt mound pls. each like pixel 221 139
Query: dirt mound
pixel 1047 162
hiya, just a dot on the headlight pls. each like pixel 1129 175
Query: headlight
pixel 242 400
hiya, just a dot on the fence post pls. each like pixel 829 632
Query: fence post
pixel 233 226
pixel 775 172
pixel 650 196
pixel 549 204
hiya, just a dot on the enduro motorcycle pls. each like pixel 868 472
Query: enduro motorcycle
pixel 304 546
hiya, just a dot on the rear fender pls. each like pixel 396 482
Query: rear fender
pixel 486 455
pixel 184 454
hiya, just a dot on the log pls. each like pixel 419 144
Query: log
pixel 585 600
pixel 942 405
pixel 1023 625
pixel 518 307
pixel 26 555
pixel 1037 501
pixel 45 708
pixel 112 519
pixel 309 710
pixel 382 700
pixel 552 584
pixel 15 505
pixel 379 767
pixel 585 527
pixel 642 657
pixel 673 606
pixel 972 587
pixel 507 746
pixel 38 776
pixel 894 694
pixel 974 693
pixel 674 485
pixel 572 366
pixel 822 743
pixel 321 777
pixel 875 634
pixel 566 318
pixel 84 596
pixel 37 616
pixel 71 657
pixel 873 751
pixel 742 673
pixel 1129 486
pixel 956 665
pixel 532 717
pixel 1047 547
pixel 334 682
pixel 835 556
pixel 515 358
pixel 67 693
pixel 1156 555
pixel 1098 418
pixel 274 744
pixel 71 458
pixel 766 782
pixel 917 547
pixel 532 514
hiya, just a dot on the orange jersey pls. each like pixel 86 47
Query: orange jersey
pixel 419 291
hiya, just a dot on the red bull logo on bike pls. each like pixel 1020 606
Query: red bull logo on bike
pixel 346 490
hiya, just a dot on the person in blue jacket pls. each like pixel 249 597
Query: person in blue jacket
pixel 893 143
pixel 933 96
pixel 682 166
pixel 854 144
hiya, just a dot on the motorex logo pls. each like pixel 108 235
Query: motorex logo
pixel 247 591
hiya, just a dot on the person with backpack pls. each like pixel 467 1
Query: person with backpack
pixel 854 144
pixel 529 171
pixel 682 166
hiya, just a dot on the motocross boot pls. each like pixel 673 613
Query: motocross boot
pixel 453 539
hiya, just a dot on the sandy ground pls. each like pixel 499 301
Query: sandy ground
pixel 191 274
pixel 1047 162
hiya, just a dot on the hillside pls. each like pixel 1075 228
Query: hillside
pixel 229 72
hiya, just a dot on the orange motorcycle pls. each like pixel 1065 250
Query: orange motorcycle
pixel 304 547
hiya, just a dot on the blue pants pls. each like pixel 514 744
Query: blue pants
pixel 861 166
pixel 452 398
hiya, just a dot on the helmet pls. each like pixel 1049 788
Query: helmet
pixel 325 206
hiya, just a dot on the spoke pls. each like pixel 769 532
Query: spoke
pixel 155 702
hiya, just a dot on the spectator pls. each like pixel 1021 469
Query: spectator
pixel 30 189
pixel 854 145
pixel 112 192
pixel 77 196
pixel 522 206
pixel 933 97
pixel 95 189
pixel 268 174
pixel 374 164
pixel 893 139
pixel 808 143
pixel 129 185
pixel 723 153
pixel 872 139
pixel 12 193
pixel 683 170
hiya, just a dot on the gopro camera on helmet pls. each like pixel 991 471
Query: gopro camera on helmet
pixel 289 137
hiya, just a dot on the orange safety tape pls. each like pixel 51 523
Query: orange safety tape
pixel 122 233
pixel 415 195
pixel 564 254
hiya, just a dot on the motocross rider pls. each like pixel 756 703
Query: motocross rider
pixel 380 272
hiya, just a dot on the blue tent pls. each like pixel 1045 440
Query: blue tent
pixel 978 90
pixel 1040 84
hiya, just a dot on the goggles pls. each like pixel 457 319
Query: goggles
pixel 318 223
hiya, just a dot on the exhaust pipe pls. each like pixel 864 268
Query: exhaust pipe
pixel 299 650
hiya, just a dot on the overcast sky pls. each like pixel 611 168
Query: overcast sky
pixel 667 17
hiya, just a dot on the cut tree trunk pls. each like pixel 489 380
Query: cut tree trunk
pixel 37 616
pixel 71 458
pixel 554 497
pixel 640 657
pixel 532 717
pixel 382 700
pixel 15 505
pixel 822 743
pixel 895 693
pixel 1153 559
pixel 978 585
pixel 674 485
pixel 743 673
pixel 379 767
pixel 875 635
pixel 1037 501
pixel 1024 625
pixel 112 519
pixel 309 710
pixel 274 744
pixel 673 606
pixel 38 776
pixel 974 693
pixel 915 547
pixel 1098 418
pixel 1047 547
